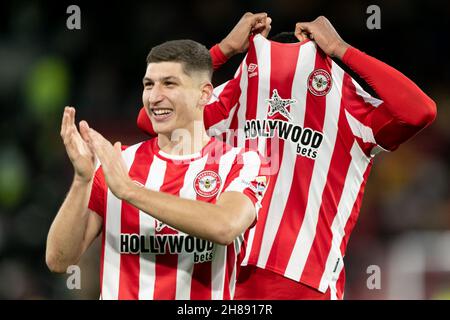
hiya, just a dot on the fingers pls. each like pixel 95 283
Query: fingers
pixel 303 30
pixel 263 27
pixel 254 18
pixel 303 27
pixel 259 21
pixel 95 138
pixel 101 147
pixel 256 21
pixel 260 16
pixel 95 142
pixel 301 36
pixel 68 127
pixel 267 27
pixel 309 28
pixel 84 131
pixel 64 123
pixel 118 147
pixel 111 159
pixel 71 116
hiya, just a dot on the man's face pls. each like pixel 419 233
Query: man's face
pixel 171 97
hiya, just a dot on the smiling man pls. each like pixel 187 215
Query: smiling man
pixel 172 210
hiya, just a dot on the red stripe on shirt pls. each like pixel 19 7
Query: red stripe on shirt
pixel 129 263
pixel 201 274
pixel 252 92
pixel 230 266
pixel 355 211
pixel 331 196
pixel 166 265
pixel 296 203
pixel 283 67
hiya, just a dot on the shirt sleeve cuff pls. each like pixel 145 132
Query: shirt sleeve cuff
pixel 217 56
pixel 350 54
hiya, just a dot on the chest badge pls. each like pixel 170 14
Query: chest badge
pixel 319 82
pixel 207 183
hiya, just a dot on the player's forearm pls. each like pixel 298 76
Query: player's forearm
pixel 406 103
pixel 200 219
pixel 66 234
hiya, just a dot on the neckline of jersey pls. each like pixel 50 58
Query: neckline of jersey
pixel 187 157
pixel 291 44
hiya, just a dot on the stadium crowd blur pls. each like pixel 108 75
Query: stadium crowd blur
pixel 404 224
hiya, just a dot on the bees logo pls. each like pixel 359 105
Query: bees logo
pixel 319 82
pixel 207 183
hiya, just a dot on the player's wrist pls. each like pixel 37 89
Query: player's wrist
pixel 129 190
pixel 80 180
pixel 217 56
pixel 341 49
pixel 227 49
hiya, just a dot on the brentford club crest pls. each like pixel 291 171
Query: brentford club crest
pixel 207 184
pixel 319 82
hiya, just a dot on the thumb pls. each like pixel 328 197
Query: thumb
pixel 258 18
pixel 95 138
pixel 84 130
pixel 302 30
pixel 118 147
pixel 266 29
pixel 304 26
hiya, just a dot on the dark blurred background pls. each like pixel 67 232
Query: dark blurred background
pixel 405 220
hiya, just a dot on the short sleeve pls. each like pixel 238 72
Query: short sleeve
pixel 97 201
pixel 249 175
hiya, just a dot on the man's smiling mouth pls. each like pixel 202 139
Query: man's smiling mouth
pixel 161 113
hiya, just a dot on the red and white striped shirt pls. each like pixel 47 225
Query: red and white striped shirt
pixel 141 257
pixel 330 128
pixel 321 160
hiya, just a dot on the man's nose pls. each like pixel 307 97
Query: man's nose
pixel 155 96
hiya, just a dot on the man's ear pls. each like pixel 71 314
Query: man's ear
pixel 206 93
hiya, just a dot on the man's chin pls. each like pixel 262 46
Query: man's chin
pixel 160 128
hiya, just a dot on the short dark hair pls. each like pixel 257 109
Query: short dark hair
pixel 285 37
pixel 192 55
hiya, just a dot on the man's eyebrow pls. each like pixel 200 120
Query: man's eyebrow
pixel 168 78
pixel 173 78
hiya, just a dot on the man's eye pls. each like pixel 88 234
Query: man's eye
pixel 148 85
pixel 170 84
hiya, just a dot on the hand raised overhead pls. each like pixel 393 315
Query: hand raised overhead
pixel 323 33
pixel 237 40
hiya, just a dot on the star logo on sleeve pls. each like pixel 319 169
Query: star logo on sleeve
pixel 279 105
